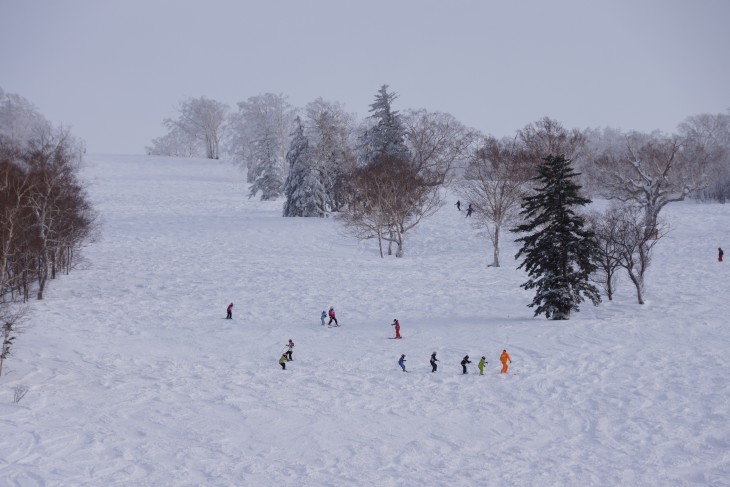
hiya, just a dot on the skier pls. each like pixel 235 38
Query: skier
pixel 720 253
pixel 332 317
pixel 480 365
pixel 458 205
pixel 288 353
pixel 282 361
pixel 324 315
pixel 229 312
pixel 402 362
pixel 397 328
pixel 504 358
pixel 469 210
pixel 465 361
pixel 433 362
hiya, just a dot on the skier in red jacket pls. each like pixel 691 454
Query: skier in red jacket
pixel 397 328
pixel 229 312
pixel 332 317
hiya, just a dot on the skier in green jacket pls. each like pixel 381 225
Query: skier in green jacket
pixel 480 366
pixel 283 360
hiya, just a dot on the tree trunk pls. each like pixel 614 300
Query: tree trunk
pixel 495 245
pixel 639 284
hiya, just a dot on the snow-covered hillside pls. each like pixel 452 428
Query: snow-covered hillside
pixel 136 379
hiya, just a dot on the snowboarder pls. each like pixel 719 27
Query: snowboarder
pixel 397 328
pixel 402 362
pixel 229 312
pixel 433 362
pixel 504 358
pixel 720 253
pixel 324 315
pixel 469 210
pixel 458 205
pixel 332 318
pixel 282 361
pixel 289 352
pixel 465 361
pixel 480 365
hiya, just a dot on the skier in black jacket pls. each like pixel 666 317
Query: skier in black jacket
pixel 433 362
pixel 465 361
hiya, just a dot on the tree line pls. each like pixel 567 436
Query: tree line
pixel 385 174
pixel 45 214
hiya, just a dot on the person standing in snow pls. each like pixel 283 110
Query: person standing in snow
pixel 504 358
pixel 433 362
pixel 720 253
pixel 282 361
pixel 402 362
pixel 469 210
pixel 480 365
pixel 397 328
pixel 458 205
pixel 229 312
pixel 332 317
pixel 324 315
pixel 289 352
pixel 464 361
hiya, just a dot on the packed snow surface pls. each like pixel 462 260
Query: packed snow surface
pixel 136 378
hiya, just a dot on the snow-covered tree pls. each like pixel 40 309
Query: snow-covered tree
pixel 305 194
pixel 329 129
pixel 547 136
pixel 259 137
pixel 203 120
pixel 558 251
pixel 19 118
pixel 176 143
pixel 385 135
pixel 707 136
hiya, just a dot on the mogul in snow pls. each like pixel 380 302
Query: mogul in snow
pixel 433 362
pixel 229 312
pixel 464 361
pixel 402 362
pixel 480 365
pixel 397 328
pixel 504 358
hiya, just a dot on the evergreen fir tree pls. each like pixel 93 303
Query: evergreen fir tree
pixel 387 136
pixel 558 251
pixel 305 194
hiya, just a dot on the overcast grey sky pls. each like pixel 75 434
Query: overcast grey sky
pixel 112 70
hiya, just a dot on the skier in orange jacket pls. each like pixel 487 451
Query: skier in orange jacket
pixel 504 358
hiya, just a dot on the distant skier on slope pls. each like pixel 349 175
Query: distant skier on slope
pixel 469 210
pixel 504 358
pixel 332 317
pixel 458 205
pixel 402 362
pixel 229 312
pixel 720 253
pixel 283 360
pixel 289 352
pixel 464 361
pixel 480 365
pixel 397 328
pixel 433 362
pixel 324 315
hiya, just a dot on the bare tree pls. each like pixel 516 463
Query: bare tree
pixel 650 171
pixel 608 232
pixel 10 325
pixel 436 141
pixel 496 182
pixel 707 137
pixel 547 136
pixel 389 200
pixel 634 245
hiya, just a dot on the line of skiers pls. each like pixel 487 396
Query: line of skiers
pixel 287 356
pixel 504 358
pixel 331 314
pixel 469 210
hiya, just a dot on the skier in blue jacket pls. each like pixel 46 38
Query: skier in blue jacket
pixel 402 362
pixel 324 316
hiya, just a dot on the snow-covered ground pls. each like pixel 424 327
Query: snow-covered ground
pixel 136 379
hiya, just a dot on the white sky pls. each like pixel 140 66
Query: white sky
pixel 112 70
